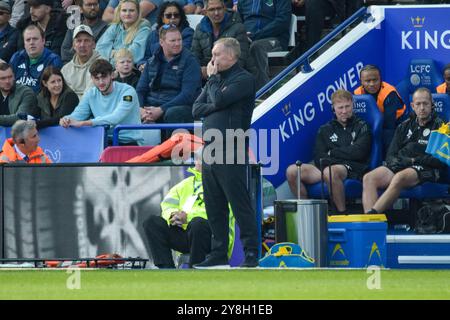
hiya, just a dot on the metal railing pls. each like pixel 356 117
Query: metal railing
pixel 303 60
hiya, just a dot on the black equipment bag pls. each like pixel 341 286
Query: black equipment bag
pixel 432 218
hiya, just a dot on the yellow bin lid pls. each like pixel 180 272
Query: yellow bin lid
pixel 358 218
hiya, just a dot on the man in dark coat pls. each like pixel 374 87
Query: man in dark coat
pixel 226 105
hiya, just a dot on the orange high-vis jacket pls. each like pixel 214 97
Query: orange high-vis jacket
pixel 385 90
pixel 442 88
pixel 8 154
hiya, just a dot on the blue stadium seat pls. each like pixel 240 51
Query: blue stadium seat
pixel 442 105
pixel 366 108
pixel 420 73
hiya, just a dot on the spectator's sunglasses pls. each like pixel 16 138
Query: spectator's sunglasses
pixel 171 15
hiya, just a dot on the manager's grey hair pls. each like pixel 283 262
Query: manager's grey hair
pixel 232 45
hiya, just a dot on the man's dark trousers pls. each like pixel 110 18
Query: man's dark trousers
pixel 223 184
pixel 195 240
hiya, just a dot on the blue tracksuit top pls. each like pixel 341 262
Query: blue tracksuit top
pixel 29 75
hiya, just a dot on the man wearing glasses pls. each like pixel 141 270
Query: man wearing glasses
pixel 218 24
pixel 91 17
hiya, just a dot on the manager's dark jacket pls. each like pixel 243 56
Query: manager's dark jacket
pixel 227 102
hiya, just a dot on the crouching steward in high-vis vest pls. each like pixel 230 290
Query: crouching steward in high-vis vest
pixel 183 225
pixel 23 146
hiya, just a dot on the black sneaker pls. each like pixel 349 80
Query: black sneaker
pixel 213 263
pixel 251 260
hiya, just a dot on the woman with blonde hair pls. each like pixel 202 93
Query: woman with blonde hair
pixel 128 30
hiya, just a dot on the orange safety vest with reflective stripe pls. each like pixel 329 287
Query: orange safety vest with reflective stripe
pixel 442 88
pixel 9 154
pixel 385 90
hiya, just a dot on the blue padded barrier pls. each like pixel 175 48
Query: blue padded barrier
pixel 69 145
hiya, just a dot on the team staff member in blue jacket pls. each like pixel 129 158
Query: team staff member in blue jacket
pixel 110 103
pixel 28 64
pixel 170 82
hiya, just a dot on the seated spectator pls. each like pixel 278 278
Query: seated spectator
pixel 8 34
pixel 76 72
pixel 388 100
pixel 170 13
pixel 344 143
pixel 92 18
pixel 23 146
pixel 67 3
pixel 218 24
pixel 29 63
pixel 56 99
pixel 125 71
pixel 19 10
pixel 18 101
pixel 128 30
pixel 188 6
pixel 267 24
pixel 445 87
pixel 407 164
pixel 315 12
pixel 52 23
pixel 170 82
pixel 147 8
pixel 108 103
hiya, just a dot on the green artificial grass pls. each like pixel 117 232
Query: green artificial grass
pixel 223 284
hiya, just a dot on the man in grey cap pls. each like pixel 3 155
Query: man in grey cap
pixel 76 71
pixel 53 24
pixel 8 34
pixel 91 17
